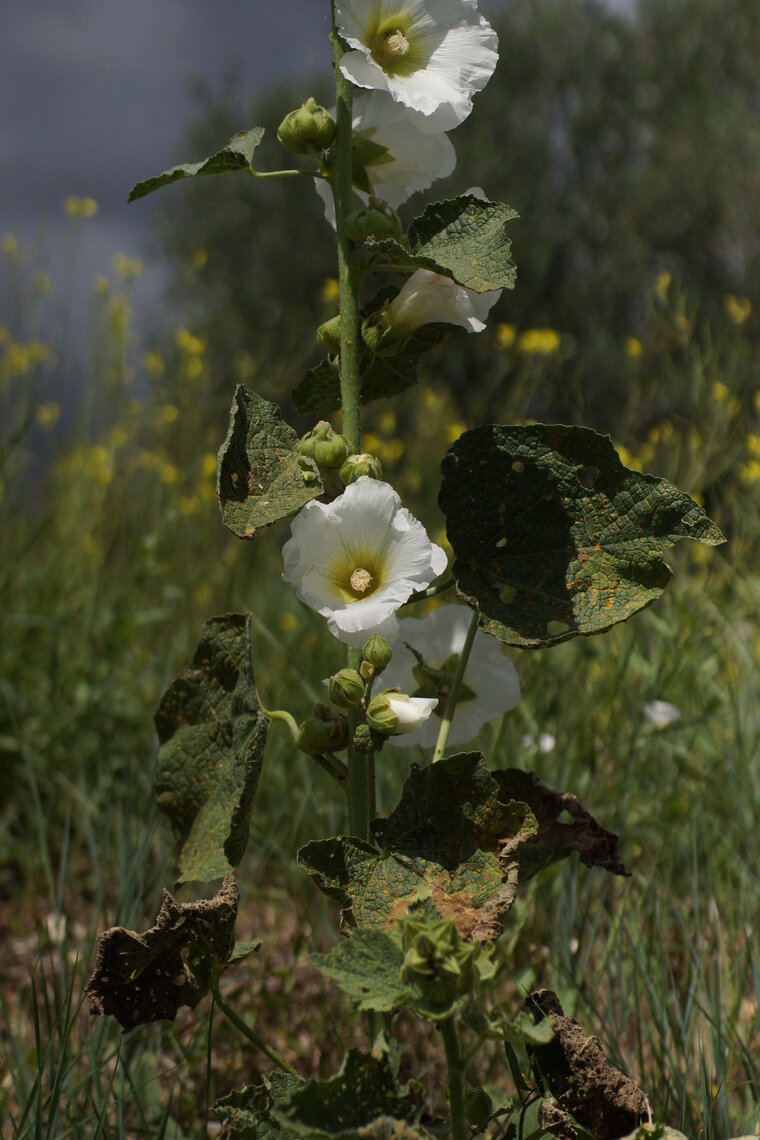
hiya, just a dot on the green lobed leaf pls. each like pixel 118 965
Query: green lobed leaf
pixel 139 978
pixel 212 736
pixel 553 537
pixel 361 1101
pixel 460 839
pixel 464 238
pixel 261 478
pixel 367 967
pixel 236 155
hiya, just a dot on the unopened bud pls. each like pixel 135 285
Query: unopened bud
pixel 362 464
pixel 478 1108
pixel 324 731
pixel 381 337
pixel 377 653
pixel 325 446
pixel 392 713
pixel 377 220
pixel 328 335
pixel 346 688
pixel 306 130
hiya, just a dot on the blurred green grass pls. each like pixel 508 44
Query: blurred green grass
pixel 113 555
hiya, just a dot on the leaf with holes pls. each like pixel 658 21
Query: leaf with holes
pixel 212 736
pixel 246 1112
pixel 553 536
pixel 461 838
pixel 362 1102
pixel 261 478
pixel 464 238
pixel 236 155
pixel 139 978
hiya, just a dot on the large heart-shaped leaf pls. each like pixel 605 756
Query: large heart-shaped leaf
pixel 464 238
pixel 553 536
pixel 212 736
pixel 236 155
pixel 261 477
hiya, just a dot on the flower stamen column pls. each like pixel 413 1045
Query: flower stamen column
pixel 359 808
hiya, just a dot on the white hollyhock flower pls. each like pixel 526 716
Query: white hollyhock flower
pixel 660 713
pixel 399 159
pixel 430 55
pixel 358 559
pixel 396 714
pixel 425 661
pixel 430 298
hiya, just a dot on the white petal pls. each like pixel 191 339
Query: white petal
pixel 412 712
pixel 660 713
pixel 432 298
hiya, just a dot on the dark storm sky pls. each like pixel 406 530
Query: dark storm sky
pixel 94 95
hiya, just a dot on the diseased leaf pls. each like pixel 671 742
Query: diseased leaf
pixel 553 536
pixel 246 1111
pixel 555 839
pixel 139 978
pixel 464 238
pixel 461 837
pixel 367 967
pixel 361 1101
pixel 261 477
pixel 236 155
pixel 574 1069
pixel 212 736
pixel 381 377
pixel 243 950
pixel 449 840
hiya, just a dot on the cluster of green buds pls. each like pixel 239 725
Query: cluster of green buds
pixel 440 965
pixel 308 130
pixel 326 447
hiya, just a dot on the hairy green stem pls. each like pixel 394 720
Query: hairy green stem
pixel 359 808
pixel 250 1034
pixel 451 705
pixel 455 1065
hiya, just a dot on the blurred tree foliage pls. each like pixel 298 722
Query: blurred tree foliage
pixel 628 144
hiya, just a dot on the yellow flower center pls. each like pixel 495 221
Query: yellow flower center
pixel 361 581
pixel 391 47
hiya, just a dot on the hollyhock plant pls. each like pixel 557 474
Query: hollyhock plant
pixel 430 55
pixel 424 663
pixel 392 156
pixel 357 559
pixel 396 714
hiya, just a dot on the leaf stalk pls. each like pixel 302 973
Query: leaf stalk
pixel 451 705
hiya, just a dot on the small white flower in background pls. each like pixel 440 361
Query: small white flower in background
pixel 430 55
pixel 358 559
pixel 399 159
pixel 430 298
pixel 660 713
pixel 490 686
pixel 545 744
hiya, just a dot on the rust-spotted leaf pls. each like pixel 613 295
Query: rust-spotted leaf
pixel 553 536
pixel 260 476
pixel 212 736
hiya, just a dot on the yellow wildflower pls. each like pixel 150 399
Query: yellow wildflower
pixel 41 283
pixel 168 413
pixel 753 445
pixel 387 422
pixel 189 344
pixel 430 399
pixel 453 431
pixel 10 246
pixel 118 436
pixel 288 621
pixel 202 594
pixel 48 415
pixel 628 459
pixel 100 285
pixel 193 367
pixel 661 285
pixel 188 505
pixel 538 342
pixel 208 465
pixel 153 363
pixel 169 474
pixel 505 335
pixel 737 309
pixel 749 472
pixel 632 347
pixel 79 209
pixel 720 392
pixel 126 268
pixel 329 294
pixel 199 259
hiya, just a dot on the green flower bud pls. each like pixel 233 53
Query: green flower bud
pixel 324 731
pixel 438 963
pixel 367 670
pixel 325 446
pixel 358 465
pixel 306 130
pixel 377 652
pixel 381 337
pixel 478 1108
pixel 380 716
pixel 346 688
pixel 377 220
pixel 328 335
